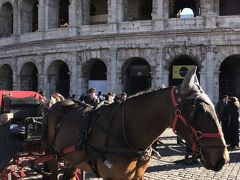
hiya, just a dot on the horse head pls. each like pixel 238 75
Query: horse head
pixel 195 120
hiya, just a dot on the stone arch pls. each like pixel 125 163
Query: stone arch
pixel 94 72
pixel 229 76
pixel 179 67
pixel 85 56
pixel 136 75
pixel 58 73
pixel 197 54
pixel 29 77
pixel 29 15
pixel 223 53
pixel 176 6
pixel 6 19
pixel 150 55
pixel 6 77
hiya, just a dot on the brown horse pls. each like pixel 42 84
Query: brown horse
pixel 116 144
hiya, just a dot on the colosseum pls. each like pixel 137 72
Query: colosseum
pixel 67 46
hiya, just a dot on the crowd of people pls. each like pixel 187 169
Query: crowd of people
pixel 228 111
pixel 95 98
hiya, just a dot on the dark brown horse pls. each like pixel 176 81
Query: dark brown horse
pixel 118 139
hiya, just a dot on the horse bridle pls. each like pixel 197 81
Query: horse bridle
pixel 196 134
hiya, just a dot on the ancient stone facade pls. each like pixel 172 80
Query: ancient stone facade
pixel 128 45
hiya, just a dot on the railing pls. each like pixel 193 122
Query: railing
pixel 188 23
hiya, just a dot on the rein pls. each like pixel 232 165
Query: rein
pixel 198 135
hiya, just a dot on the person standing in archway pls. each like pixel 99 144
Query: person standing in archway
pixel 222 103
pixel 230 118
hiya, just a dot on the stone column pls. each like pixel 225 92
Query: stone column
pixel 112 16
pixel 16 76
pixel 51 14
pixel 159 82
pixel 46 80
pixel 207 10
pixel 165 77
pixel 41 81
pixel 210 57
pixel 216 87
pixel 73 74
pixel 41 75
pixel 203 80
pixel 46 84
pixel 216 7
pixel 81 76
pixel 112 70
pixel 41 15
pixel 16 21
pixel 79 13
pixel 121 10
pixel 158 15
pixel 85 11
pixel 73 18
pixel 112 11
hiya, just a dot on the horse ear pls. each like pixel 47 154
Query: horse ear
pixel 189 80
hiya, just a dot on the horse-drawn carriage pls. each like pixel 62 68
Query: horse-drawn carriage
pixel 114 143
pixel 20 131
pixel 23 153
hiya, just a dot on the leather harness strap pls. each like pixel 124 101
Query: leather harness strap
pixel 198 135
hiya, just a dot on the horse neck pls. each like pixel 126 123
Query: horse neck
pixel 148 116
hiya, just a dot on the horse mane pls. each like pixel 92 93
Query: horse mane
pixel 146 91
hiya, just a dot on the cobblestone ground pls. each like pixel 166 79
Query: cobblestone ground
pixel 166 169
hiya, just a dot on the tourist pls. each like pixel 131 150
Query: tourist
pixel 230 118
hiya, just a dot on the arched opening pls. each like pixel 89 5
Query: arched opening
pixel 63 17
pixel 229 77
pixel 35 17
pixel 95 73
pixel 229 7
pixel 136 75
pixel 29 16
pixel 6 77
pixel 98 11
pixel 139 10
pixel 98 71
pixel 145 10
pixel 6 20
pixel 59 78
pixel 177 6
pixel 179 68
pixel 29 77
